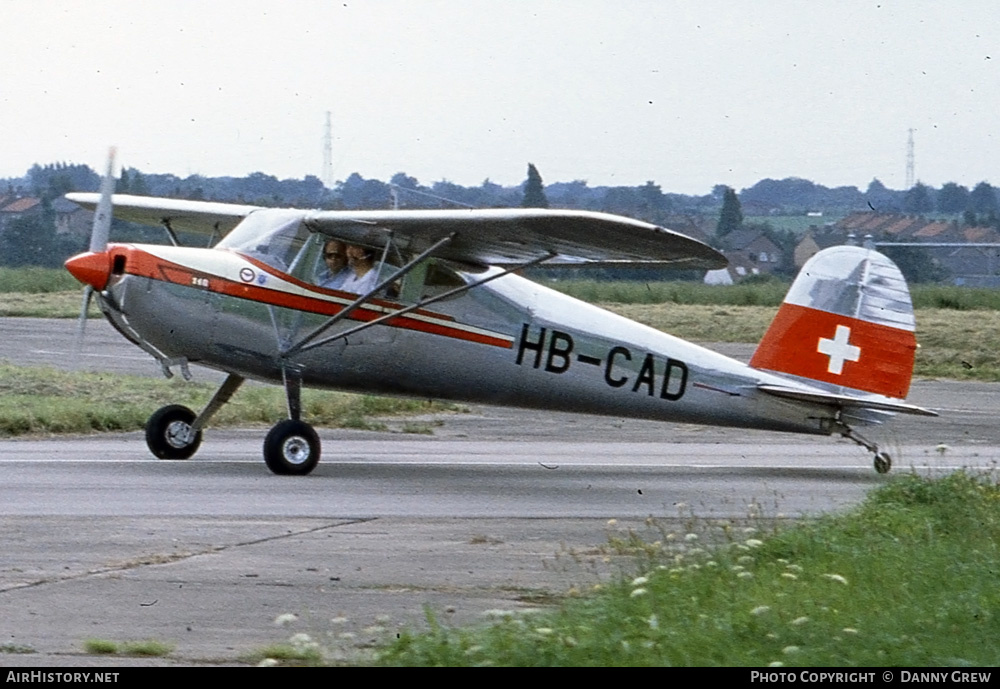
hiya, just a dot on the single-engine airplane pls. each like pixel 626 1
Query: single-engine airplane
pixel 448 317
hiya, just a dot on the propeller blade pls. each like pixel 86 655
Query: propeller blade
pixel 98 244
pixel 102 215
pixel 81 324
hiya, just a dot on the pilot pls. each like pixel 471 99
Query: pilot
pixel 362 275
pixel 336 270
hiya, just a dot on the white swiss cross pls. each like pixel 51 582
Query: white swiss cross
pixel 839 349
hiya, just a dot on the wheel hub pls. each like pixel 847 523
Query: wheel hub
pixel 178 434
pixel 296 450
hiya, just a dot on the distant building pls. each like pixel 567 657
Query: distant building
pixel 967 265
pixel 13 208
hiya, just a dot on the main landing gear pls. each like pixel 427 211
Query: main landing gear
pixel 291 448
pixel 882 460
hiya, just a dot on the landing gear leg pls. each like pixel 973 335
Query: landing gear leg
pixel 882 460
pixel 292 447
pixel 174 431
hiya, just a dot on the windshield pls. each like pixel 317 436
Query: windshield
pixel 272 236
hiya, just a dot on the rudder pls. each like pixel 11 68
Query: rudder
pixel 846 322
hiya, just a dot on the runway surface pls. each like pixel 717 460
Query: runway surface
pixel 498 509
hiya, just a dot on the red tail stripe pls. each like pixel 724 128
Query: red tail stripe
pixel 791 345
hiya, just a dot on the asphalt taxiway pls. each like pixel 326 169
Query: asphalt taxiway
pixel 498 510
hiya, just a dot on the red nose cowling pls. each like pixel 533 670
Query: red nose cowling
pixel 91 268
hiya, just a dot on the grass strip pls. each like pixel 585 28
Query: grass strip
pixel 39 400
pixel 908 578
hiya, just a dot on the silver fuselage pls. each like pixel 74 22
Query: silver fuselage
pixel 509 342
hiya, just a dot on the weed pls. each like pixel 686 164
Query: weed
pixel 100 646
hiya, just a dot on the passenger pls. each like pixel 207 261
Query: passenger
pixel 336 270
pixel 362 276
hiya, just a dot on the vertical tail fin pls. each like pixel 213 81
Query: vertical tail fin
pixel 847 322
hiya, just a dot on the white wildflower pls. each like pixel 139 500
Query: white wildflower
pixel 690 537
pixel 789 575
pixel 639 581
pixel 788 650
pixel 637 592
pixel 285 619
pixel 497 613
pixel 754 543
pixel 836 577
pixel 745 575
pixel 760 609
pixel 799 621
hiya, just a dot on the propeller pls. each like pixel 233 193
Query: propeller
pixel 89 267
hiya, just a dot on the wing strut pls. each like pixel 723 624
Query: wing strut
pixel 336 318
pixel 303 347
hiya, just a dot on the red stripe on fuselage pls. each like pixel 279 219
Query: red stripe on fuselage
pixel 884 355
pixel 144 264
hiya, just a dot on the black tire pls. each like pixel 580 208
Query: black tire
pixel 165 430
pixel 291 448
pixel 883 462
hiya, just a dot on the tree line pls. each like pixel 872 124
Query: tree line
pixel 31 239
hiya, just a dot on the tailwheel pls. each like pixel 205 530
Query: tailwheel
pixel 883 462
pixel 169 434
pixel 291 448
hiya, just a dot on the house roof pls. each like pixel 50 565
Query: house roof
pixel 20 205
pixel 737 240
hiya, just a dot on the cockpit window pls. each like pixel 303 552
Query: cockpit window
pixel 272 236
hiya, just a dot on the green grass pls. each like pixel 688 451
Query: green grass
pixel 34 280
pixel 148 648
pixel 36 400
pixel 100 646
pixel 906 579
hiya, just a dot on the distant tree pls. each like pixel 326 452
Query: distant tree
pixel 31 241
pixel 358 192
pixel 404 181
pixel 654 205
pixel 621 201
pixel 534 190
pixel 953 198
pixel 918 199
pixel 731 216
pixel 880 198
pixel 983 199
pixel 916 263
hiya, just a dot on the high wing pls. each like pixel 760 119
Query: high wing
pixel 506 236
pixel 496 236
pixel 201 217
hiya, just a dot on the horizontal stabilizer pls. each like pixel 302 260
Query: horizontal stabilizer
pixel 843 401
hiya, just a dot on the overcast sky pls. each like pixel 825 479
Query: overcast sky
pixel 688 94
